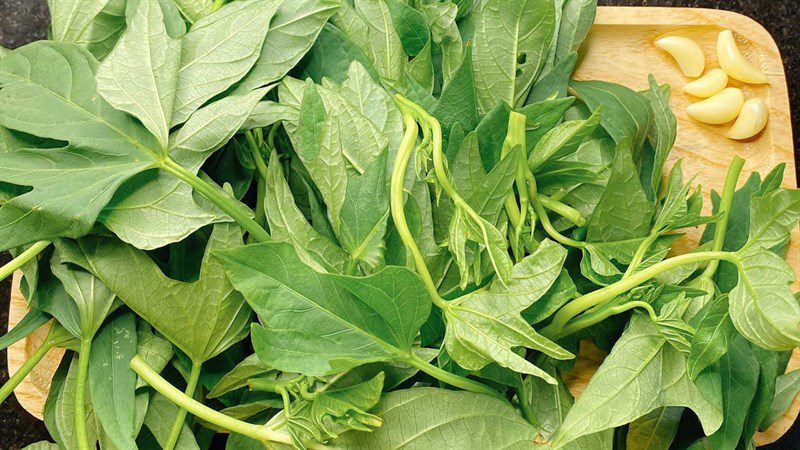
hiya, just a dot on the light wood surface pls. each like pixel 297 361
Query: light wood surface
pixel 619 49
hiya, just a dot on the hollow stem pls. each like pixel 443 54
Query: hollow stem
pixel 562 209
pixel 602 295
pixel 450 378
pixel 22 258
pixel 541 213
pixel 397 206
pixel 221 200
pixel 80 394
pixel 180 417
pixel 26 368
pixel 721 227
pixel 641 251
pixel 258 432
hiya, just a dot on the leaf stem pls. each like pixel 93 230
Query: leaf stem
pixel 588 320
pixel 517 214
pixel 641 251
pixel 450 378
pixel 22 258
pixel 80 394
pixel 217 5
pixel 219 199
pixel 721 226
pixel 180 418
pixel 538 208
pixel 562 209
pixel 26 368
pixel 600 296
pixel 397 206
pixel 253 431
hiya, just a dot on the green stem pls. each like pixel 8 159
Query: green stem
pixel 603 314
pixel 221 200
pixel 517 214
pixel 600 296
pixel 450 378
pixel 538 208
pixel 253 431
pixel 80 394
pixel 352 267
pixel 26 368
pixel 564 210
pixel 641 251
pixel 22 258
pixel 397 206
pixel 180 418
pixel 217 5
pixel 721 227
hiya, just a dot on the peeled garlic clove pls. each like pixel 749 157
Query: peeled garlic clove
pixel 734 63
pixel 751 121
pixel 721 108
pixel 687 54
pixel 708 85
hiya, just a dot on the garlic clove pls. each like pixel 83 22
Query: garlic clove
pixel 751 121
pixel 708 85
pixel 720 108
pixel 734 63
pixel 686 52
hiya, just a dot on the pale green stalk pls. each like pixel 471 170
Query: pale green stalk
pixel 180 417
pixel 22 258
pixel 80 394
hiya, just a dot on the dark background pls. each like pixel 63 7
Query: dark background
pixel 22 21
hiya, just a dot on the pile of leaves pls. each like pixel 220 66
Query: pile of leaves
pixel 376 224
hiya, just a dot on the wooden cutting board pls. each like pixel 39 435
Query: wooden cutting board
pixel 619 49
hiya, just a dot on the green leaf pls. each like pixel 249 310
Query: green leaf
pixel 773 215
pixel 542 117
pixel 206 316
pixel 328 414
pixel 662 134
pixel 457 103
pixel 576 20
pixel 553 81
pixel 484 326
pixel 714 333
pixel 510 46
pixel 350 327
pixel 623 212
pixel 154 350
pixel 71 18
pixel 159 418
pixel 435 413
pixel 738 369
pixel 194 10
pixel 549 404
pixel 562 140
pixel 786 388
pixel 250 367
pixel 33 319
pixel 287 224
pixel 768 370
pixel 64 411
pixel 112 382
pixel 218 51
pixel 106 146
pixel 91 300
pixel 410 25
pixel 441 19
pixel 41 445
pixel 420 69
pixel 291 34
pixel 156 209
pixel 639 375
pixel 655 430
pixel 762 305
pixel 332 54
pixel 140 74
pixel 627 114
pixel 364 213
pixel 384 46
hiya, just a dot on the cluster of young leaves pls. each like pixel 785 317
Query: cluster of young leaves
pixel 376 223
